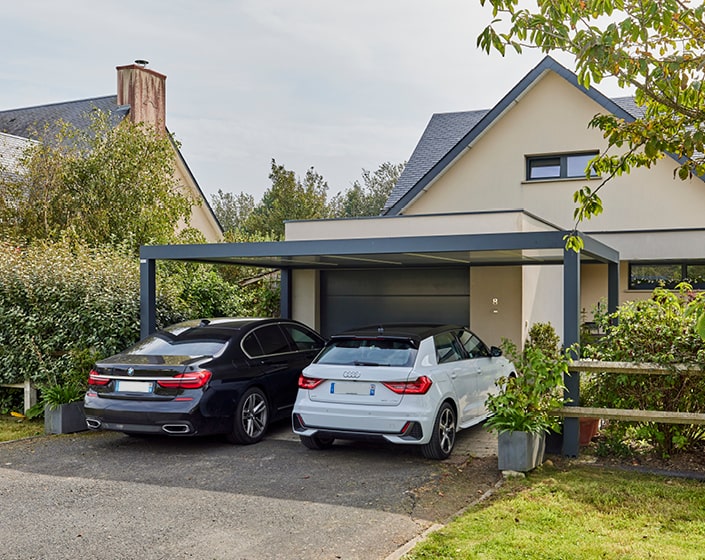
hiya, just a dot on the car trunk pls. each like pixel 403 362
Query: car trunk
pixel 351 384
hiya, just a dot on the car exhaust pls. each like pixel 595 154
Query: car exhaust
pixel 176 428
pixel 93 423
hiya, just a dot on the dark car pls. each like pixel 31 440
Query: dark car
pixel 213 376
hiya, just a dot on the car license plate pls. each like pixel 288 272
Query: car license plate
pixel 352 388
pixel 134 386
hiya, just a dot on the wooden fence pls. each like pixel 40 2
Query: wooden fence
pixel 629 415
pixel 30 392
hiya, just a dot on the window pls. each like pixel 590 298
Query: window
pixel 266 341
pixel 447 349
pixel 561 166
pixel 473 345
pixel 368 352
pixel 303 340
pixel 647 276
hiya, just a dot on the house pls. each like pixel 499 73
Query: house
pixel 141 97
pixel 515 168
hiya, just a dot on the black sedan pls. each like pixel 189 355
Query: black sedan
pixel 213 376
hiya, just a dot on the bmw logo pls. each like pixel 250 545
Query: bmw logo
pixel 131 371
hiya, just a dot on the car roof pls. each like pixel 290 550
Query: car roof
pixel 412 331
pixel 223 323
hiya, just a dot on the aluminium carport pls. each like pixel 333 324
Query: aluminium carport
pixel 495 249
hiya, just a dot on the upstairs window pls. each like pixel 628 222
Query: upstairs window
pixel 647 276
pixel 561 166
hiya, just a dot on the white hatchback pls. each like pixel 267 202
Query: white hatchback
pixel 407 384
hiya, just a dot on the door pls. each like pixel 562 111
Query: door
pixel 487 369
pixel 356 298
pixel 463 373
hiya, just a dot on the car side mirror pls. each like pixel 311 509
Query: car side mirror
pixel 495 352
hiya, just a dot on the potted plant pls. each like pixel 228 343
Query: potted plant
pixel 521 411
pixel 63 409
pixel 62 398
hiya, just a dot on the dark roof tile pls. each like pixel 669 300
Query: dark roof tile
pixel 29 122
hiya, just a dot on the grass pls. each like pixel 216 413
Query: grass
pixel 578 514
pixel 12 427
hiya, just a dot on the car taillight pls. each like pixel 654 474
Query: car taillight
pixel 190 380
pixel 418 387
pixel 94 378
pixel 308 382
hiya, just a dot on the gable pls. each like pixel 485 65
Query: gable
pixel 547 115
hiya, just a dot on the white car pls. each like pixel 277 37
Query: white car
pixel 407 384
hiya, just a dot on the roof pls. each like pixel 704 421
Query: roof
pixel 448 135
pixel 29 122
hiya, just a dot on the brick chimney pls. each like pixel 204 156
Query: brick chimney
pixel 144 91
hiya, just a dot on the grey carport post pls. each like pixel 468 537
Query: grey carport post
pixel 409 251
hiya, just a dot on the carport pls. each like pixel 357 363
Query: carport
pixel 437 251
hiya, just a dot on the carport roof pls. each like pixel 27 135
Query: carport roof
pixel 517 248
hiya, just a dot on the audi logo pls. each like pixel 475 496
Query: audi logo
pixel 351 374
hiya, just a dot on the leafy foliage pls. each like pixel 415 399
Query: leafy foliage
pixel 368 198
pixel 65 305
pixel 103 184
pixel 663 330
pixel 289 198
pixel 232 209
pixel 654 46
pixel 524 402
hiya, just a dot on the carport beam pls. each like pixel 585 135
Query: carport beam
pixel 571 335
pixel 148 297
pixel 285 293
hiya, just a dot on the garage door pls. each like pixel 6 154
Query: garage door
pixel 352 298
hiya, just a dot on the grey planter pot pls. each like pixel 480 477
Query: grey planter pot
pixel 520 451
pixel 65 419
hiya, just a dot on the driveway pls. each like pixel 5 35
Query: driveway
pixel 109 496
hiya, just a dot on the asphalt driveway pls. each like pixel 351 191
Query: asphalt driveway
pixel 109 496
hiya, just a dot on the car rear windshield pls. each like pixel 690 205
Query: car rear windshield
pixel 159 346
pixel 368 352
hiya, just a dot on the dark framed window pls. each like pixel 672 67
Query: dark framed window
pixel 650 275
pixel 558 166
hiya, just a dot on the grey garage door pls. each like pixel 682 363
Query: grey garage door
pixel 353 298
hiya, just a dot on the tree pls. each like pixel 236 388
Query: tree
pixel 289 198
pixel 367 199
pixel 232 209
pixel 655 46
pixel 104 184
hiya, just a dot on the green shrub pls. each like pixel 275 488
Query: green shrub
pixel 63 305
pixel 662 330
pixel 525 402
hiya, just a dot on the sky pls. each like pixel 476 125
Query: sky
pixel 339 86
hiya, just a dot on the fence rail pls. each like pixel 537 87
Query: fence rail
pixel 30 392
pixel 633 415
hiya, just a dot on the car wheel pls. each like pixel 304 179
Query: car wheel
pixel 317 441
pixel 251 417
pixel 443 438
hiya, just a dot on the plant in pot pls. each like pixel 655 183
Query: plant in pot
pixel 62 399
pixel 521 410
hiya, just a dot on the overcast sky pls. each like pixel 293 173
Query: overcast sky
pixel 330 84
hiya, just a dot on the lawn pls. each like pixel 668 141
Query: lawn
pixel 578 513
pixel 12 427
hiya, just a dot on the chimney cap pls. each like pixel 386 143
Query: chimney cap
pixel 141 62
